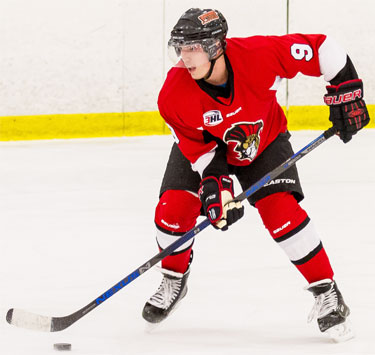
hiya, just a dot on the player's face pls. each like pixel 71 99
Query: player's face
pixel 195 60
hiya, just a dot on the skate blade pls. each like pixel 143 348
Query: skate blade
pixel 341 332
pixel 151 327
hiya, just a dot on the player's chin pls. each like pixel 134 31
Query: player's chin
pixel 192 71
pixel 196 73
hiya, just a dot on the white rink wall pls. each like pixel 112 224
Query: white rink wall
pixel 93 56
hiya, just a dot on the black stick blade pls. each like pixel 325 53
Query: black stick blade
pixel 10 316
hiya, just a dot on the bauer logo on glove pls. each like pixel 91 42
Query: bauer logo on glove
pixel 343 98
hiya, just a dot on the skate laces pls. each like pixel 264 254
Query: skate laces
pixel 166 293
pixel 325 303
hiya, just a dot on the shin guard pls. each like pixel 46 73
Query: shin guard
pixel 176 213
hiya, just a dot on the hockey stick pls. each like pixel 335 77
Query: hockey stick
pixel 33 321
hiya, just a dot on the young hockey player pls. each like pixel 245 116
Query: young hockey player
pixel 220 103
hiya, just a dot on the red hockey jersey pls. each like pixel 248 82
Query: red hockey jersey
pixel 250 120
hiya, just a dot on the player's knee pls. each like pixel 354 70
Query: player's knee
pixel 281 214
pixel 177 211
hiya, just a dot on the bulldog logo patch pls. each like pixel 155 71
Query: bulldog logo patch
pixel 246 135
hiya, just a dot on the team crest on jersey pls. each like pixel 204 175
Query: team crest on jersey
pixel 247 137
pixel 212 118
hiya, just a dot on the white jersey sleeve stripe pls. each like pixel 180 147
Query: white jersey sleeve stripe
pixel 332 58
pixel 203 161
pixel 275 86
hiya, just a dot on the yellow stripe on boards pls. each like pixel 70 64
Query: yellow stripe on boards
pixel 144 124
pixel 65 126
pixel 90 125
pixel 308 117
pixel 61 126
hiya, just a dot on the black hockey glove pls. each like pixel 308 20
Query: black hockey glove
pixel 348 111
pixel 217 196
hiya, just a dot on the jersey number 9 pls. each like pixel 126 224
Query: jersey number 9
pixel 301 51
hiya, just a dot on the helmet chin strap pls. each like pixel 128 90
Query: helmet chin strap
pixel 213 62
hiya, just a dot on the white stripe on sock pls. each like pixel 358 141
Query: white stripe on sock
pixel 302 243
pixel 164 240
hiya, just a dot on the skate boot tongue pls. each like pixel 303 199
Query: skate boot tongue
pixel 319 287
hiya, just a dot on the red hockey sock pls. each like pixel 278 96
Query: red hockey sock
pixel 317 268
pixel 292 229
pixel 177 262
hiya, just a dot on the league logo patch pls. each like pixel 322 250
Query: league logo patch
pixel 212 118
pixel 247 137
pixel 208 17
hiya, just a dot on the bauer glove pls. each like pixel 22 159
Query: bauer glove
pixel 348 111
pixel 216 195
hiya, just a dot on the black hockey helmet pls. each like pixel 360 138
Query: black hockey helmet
pixel 207 27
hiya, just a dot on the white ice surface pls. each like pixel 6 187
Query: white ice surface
pixel 76 216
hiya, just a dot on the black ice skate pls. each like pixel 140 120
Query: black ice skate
pixel 171 291
pixel 330 310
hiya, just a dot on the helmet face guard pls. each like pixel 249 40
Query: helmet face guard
pixel 197 38
pixel 193 53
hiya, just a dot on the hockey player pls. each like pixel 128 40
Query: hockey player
pixel 220 103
